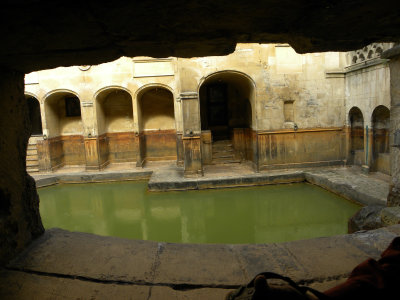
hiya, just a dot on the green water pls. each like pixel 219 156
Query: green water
pixel 264 214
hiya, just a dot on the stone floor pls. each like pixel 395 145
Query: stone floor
pixel 69 265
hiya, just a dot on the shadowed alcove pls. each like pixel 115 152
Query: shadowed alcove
pixel 380 146
pixel 356 122
pixel 156 124
pixel 64 129
pixel 114 113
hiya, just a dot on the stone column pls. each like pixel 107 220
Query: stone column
pixel 91 141
pixel 191 134
pixel 394 139
pixel 20 220
pixel 347 136
pixel 92 153
pixel 368 142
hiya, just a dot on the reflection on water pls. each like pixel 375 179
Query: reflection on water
pixel 240 215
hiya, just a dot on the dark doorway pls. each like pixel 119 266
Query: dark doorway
pixel 380 143
pixel 217 111
pixel 356 121
pixel 34 116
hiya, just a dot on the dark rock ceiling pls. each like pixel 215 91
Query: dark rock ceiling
pixel 44 34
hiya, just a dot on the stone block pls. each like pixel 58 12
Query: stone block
pixel 255 259
pixel 390 215
pixel 90 256
pixel 20 285
pixel 205 264
pixel 367 218
pixel 324 258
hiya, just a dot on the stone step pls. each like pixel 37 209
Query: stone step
pixel 225 151
pixel 221 148
pixel 32 170
pixel 31 157
pixel 223 142
pixel 225 161
pixel 31 152
pixel 224 155
pixel 32 163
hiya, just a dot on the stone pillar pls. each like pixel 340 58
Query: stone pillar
pixel 140 157
pixel 20 220
pixel 191 134
pixel 92 154
pixel 347 136
pixel 91 142
pixel 43 151
pixel 368 142
pixel 179 150
pixel 394 66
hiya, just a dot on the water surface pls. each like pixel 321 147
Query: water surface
pixel 275 213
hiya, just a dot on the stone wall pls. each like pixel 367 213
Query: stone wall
pixel 19 203
pixel 394 191
pixel 270 88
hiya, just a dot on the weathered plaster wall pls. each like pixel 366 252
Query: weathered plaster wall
pixel 279 74
pixel 366 89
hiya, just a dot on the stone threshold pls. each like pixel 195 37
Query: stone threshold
pixel 66 265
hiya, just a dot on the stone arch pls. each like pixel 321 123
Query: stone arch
pixel 240 86
pixel 35 116
pixel 156 120
pixel 64 128
pixel 380 121
pixel 227 101
pixel 356 123
pixel 114 115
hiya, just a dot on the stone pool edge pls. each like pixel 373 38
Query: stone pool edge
pixel 159 182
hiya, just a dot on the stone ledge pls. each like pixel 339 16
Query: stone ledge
pixel 87 257
pixel 90 177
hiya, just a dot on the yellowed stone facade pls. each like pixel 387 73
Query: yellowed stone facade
pixel 277 108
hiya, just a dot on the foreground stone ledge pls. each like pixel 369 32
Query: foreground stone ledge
pixel 19 285
pixel 87 257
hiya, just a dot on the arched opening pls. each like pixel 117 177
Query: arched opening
pixel 226 117
pixel 356 122
pixel 380 143
pixel 64 130
pixel 114 114
pixel 34 115
pixel 157 124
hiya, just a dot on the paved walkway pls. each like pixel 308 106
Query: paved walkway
pixel 69 265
